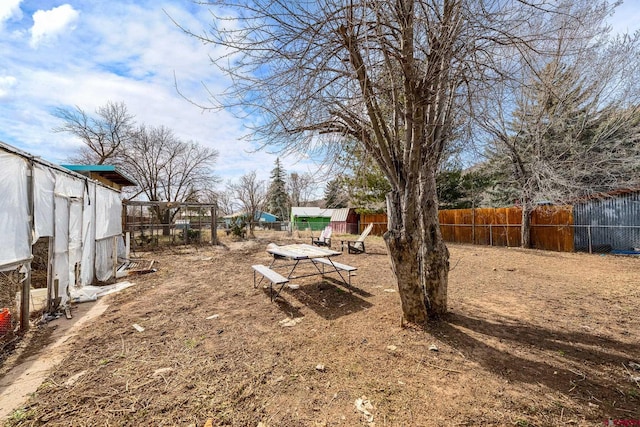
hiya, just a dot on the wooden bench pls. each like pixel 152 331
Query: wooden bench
pixel 274 278
pixel 337 267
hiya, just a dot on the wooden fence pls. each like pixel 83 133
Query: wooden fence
pixel 379 222
pixel 551 226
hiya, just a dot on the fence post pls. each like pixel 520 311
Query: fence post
pixel 589 237
pixel 214 226
pixel 127 244
pixel 473 224
pixel 490 235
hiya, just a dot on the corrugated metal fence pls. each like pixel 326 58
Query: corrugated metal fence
pixel 608 224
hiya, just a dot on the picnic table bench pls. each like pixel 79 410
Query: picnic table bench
pixel 320 258
pixel 274 278
pixel 336 267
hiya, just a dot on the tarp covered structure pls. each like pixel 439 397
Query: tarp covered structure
pixel 81 217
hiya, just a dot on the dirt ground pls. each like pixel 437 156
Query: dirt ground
pixel 532 339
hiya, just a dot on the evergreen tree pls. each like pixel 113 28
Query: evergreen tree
pixel 277 199
pixel 366 185
pixel 463 189
pixel 565 140
pixel 334 195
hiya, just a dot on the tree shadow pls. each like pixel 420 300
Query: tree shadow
pixel 328 300
pixel 286 307
pixel 562 361
pixel 350 288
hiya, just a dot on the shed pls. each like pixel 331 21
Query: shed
pixel 608 222
pixel 261 217
pixel 80 217
pixel 106 174
pixel 344 221
pixel 310 217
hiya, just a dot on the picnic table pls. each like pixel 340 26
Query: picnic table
pixel 290 257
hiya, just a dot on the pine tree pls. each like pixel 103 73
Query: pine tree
pixel 277 199
pixel 565 141
pixel 334 195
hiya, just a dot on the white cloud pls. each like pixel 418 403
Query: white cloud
pixel 120 51
pixel 10 9
pixel 6 83
pixel 49 23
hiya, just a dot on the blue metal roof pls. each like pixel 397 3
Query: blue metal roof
pixel 109 172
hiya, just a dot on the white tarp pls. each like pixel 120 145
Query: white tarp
pixel 44 185
pixel 60 272
pixel 104 259
pixel 108 216
pixel 81 216
pixel 92 293
pixel 88 235
pixel 67 241
pixel 15 230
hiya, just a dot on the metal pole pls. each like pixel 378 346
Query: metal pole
pixel 589 236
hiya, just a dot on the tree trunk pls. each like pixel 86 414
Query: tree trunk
pixel 419 257
pixel 525 230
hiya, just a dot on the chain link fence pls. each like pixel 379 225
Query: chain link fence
pixel 615 239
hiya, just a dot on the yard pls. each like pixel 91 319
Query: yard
pixel 532 339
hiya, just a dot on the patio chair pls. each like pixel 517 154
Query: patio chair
pixel 357 246
pixel 324 239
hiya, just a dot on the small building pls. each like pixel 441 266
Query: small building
pixel 311 217
pixel 344 221
pixel 261 217
pixel 106 174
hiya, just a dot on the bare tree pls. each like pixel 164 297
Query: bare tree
pixel 393 75
pixel 103 135
pixel 571 126
pixel 300 188
pixel 225 202
pixel 167 169
pixel 252 195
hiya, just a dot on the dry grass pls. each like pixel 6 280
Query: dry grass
pixel 532 339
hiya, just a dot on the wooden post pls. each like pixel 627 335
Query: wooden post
pixel 25 295
pixel 214 225
pixel 115 258
pixel 127 244
pixel 200 213
pixel 473 223
pixel 490 235
pixel 506 212
pixel 24 300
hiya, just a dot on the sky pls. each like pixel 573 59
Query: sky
pixel 62 54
